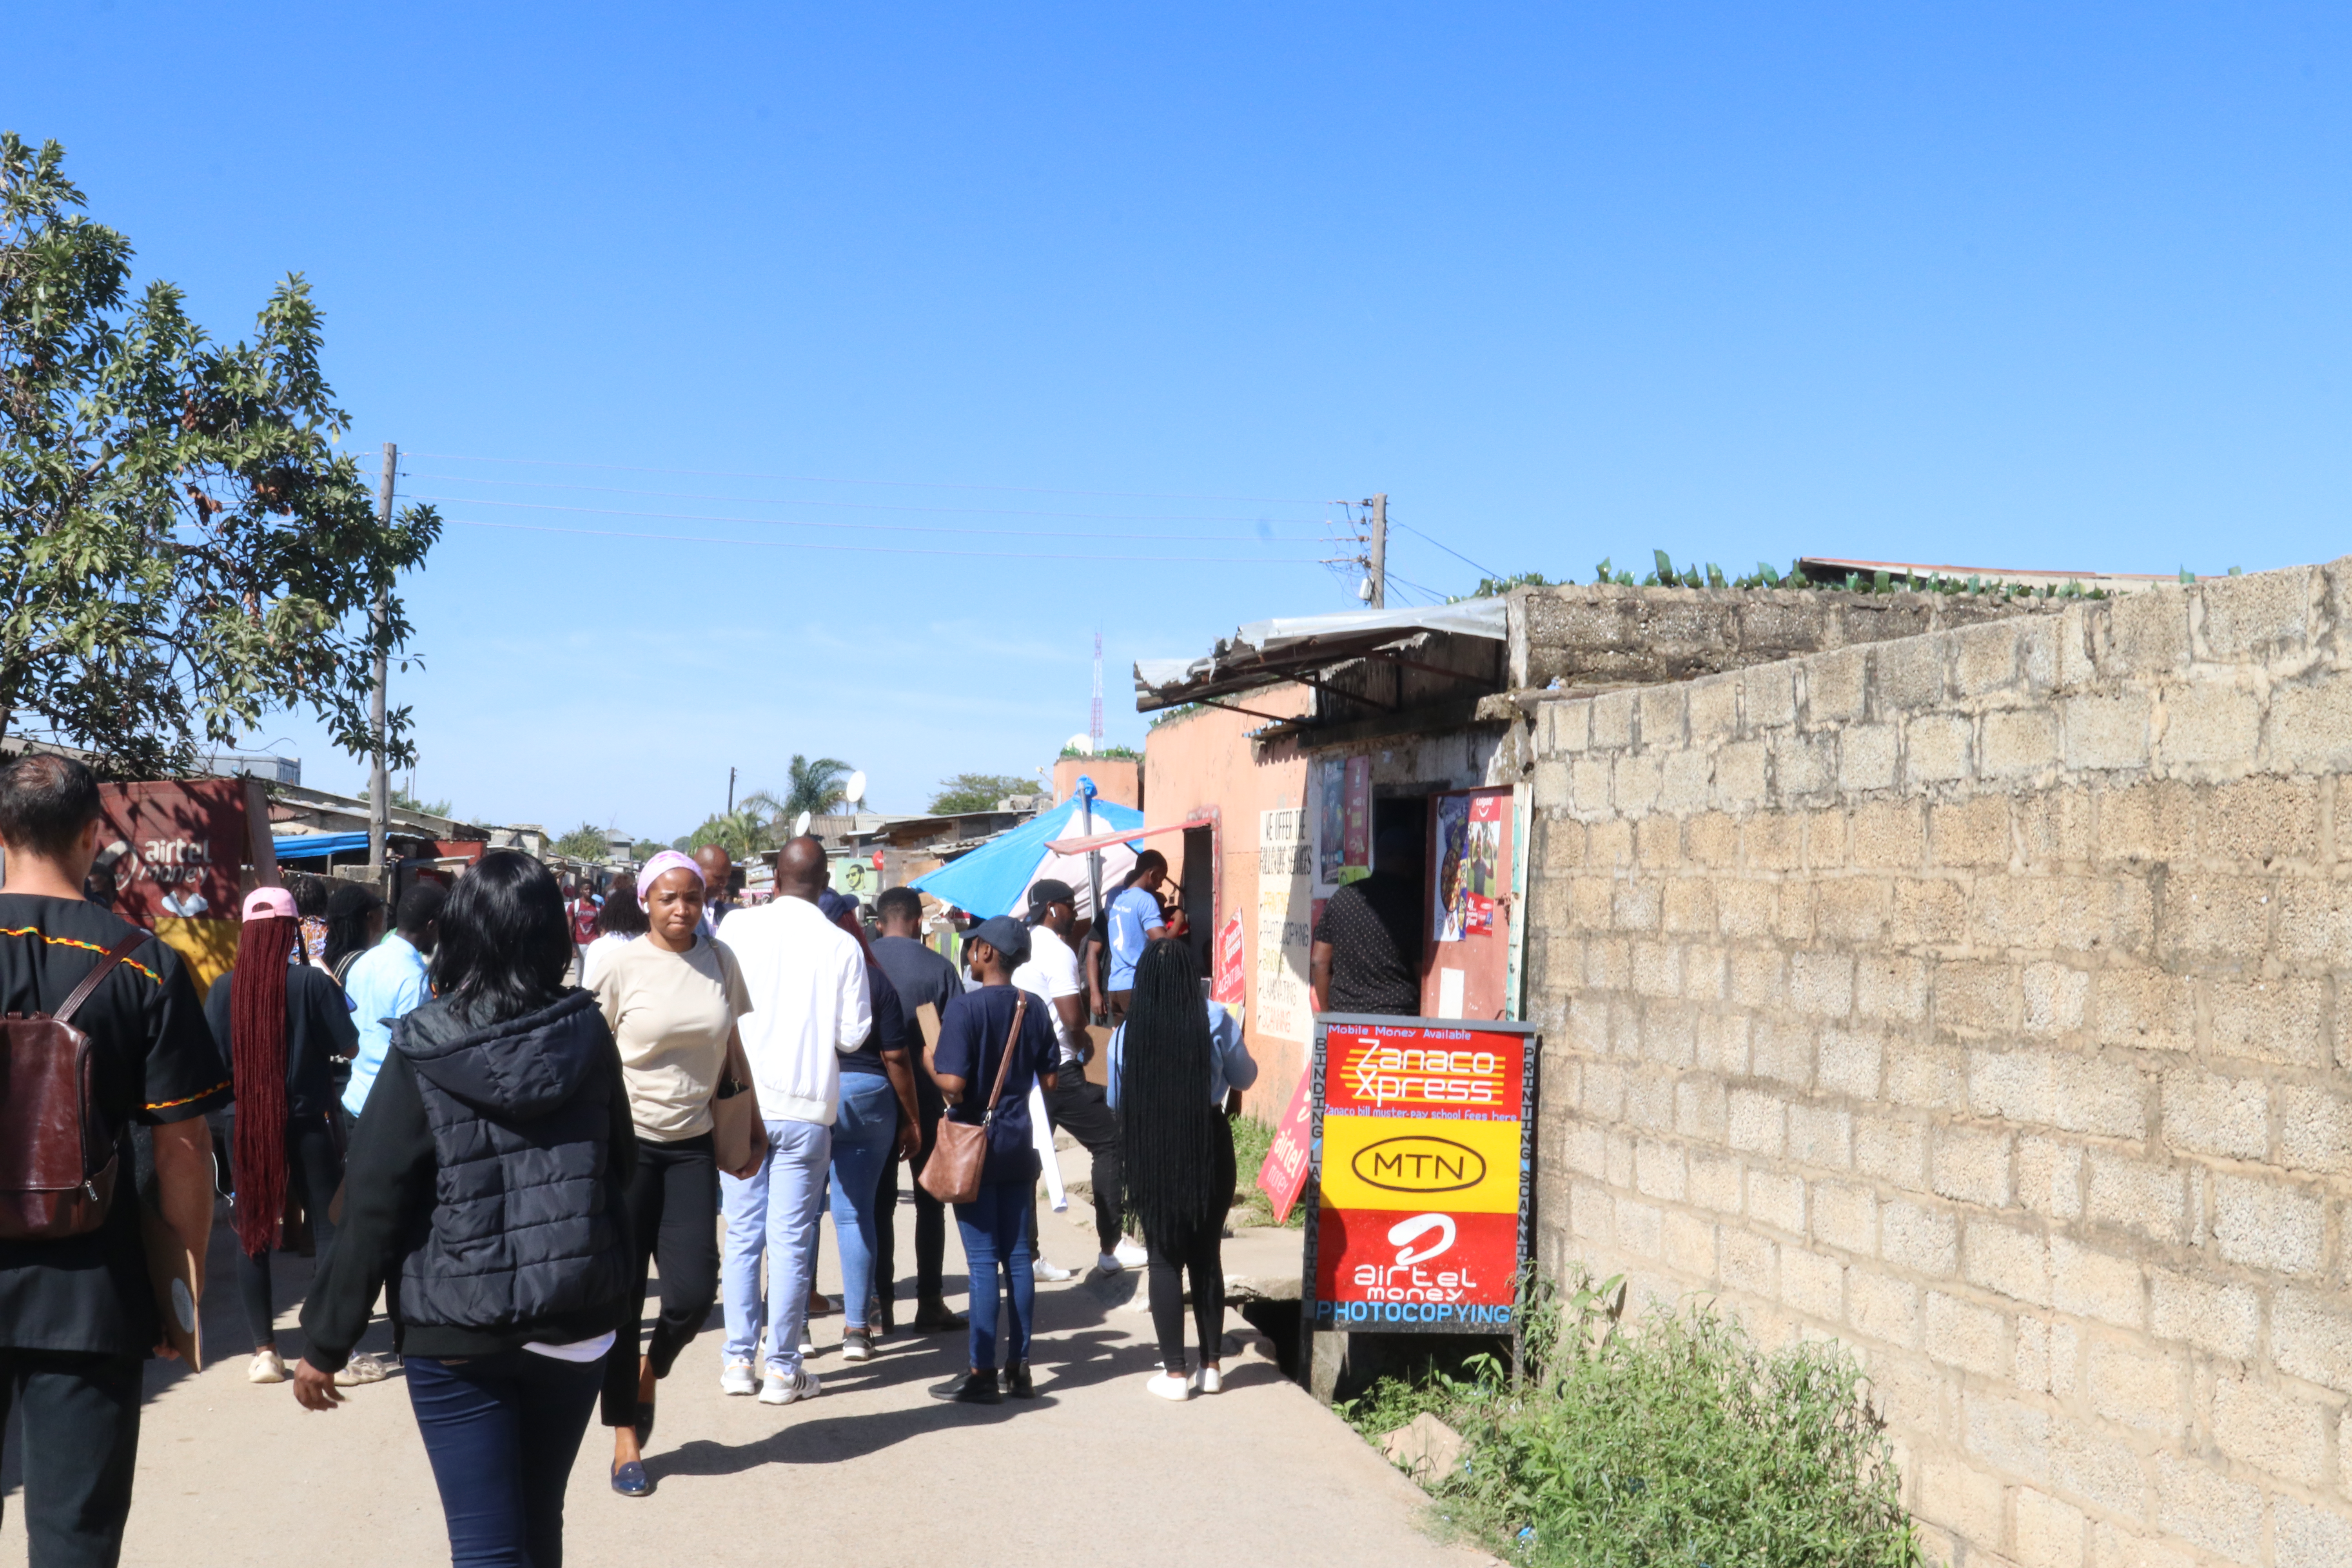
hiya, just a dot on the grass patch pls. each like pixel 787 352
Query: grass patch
pixel 1251 1139
pixel 1676 1441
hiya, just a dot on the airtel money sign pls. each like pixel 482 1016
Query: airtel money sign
pixel 1424 1158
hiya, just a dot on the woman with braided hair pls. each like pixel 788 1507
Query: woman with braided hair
pixel 278 1021
pixel 1171 1065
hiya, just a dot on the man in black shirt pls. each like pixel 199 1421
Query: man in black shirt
pixel 77 1314
pixel 919 975
pixel 1366 951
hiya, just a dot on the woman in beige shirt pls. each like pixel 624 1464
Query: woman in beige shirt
pixel 672 997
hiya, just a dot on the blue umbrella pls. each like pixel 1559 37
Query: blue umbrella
pixel 995 878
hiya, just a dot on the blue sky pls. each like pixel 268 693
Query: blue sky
pixel 2004 285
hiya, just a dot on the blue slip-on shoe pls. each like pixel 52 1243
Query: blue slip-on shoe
pixel 631 1481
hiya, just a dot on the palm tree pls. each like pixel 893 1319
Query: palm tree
pixel 816 787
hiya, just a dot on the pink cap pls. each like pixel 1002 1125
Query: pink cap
pixel 270 903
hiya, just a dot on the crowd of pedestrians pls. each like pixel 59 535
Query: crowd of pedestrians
pixel 506 1117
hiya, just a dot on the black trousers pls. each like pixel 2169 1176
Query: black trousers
pixel 1084 1109
pixel 670 1202
pixel 80 1451
pixel 930 1227
pixel 314 1159
pixel 1196 1250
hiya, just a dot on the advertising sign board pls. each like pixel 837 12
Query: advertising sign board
pixel 1423 1168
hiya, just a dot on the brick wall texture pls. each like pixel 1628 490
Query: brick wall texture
pixel 1983 1000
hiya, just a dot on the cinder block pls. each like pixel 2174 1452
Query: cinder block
pixel 2197 1503
pixel 2147 1200
pixel 2208 726
pixel 1715 1181
pixel 1759 978
pixel 1825 840
pixel 2271 1429
pixel 1699 1108
pixel 2209 1113
pixel 1937 749
pixel 1634 780
pixel 1891 990
pixel 1772 841
pixel 1638 1226
pixel 1568 726
pixel 1971 1164
pixel 1714 712
pixel 2151 821
pixel 1965 1335
pixel 1963 1500
pixel 1969 833
pixel 1880 1306
pixel 1562 839
pixel 1836 685
pixel 2053 830
pixel 2006 1261
pixel 2255 617
pixel 1778 1199
pixel 1792 913
pixel 1588 785
pixel 2311 724
pixel 2214 1315
pixel 1929 1076
pixel 2054 998
pixel 1907 674
pixel 1984 657
pixel 1927 912
pixel 2262 821
pixel 1740 774
pixel 1665 712
pixel 1587 1210
pixel 1689 1244
pixel 1723 1042
pixel 1868 755
pixel 1975 998
pixel 2049 1533
pixel 2265 1224
pixel 1813 1283
pixel 2142 1389
pixel 1782 1049
pixel 2104 1472
pixel 1750 1262
pixel 2113 1546
pixel 1846 1216
pixel 2106 730
pixel 1923 1240
pixel 1893 1150
pixel 1744 906
pixel 2311 1537
pixel 1890 834
pixel 2012 911
pixel 2029 1362
pixel 1551 787
pixel 1820 1135
pixel 2150 630
pixel 1612 719
pixel 1803 765
pixel 2017 743
pixel 2311 1337
pixel 2314 1129
pixel 1821 984
pixel 2226 920
pixel 1711 842
pixel 1658 1170
pixel 2050 1177
pixel 1610 844
pixel 1849 1063
pixel 2315 923
pixel 2146 1008
pixel 2008 1436
pixel 1759 1123
pixel 1658 842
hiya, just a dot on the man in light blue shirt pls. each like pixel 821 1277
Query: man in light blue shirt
pixel 387 981
pixel 1136 923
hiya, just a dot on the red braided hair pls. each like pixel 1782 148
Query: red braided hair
pixel 257 1011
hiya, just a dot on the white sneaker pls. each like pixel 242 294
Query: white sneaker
pixel 1108 1263
pixel 738 1378
pixel 779 1389
pixel 1052 1273
pixel 1129 1254
pixel 1210 1379
pixel 267 1366
pixel 808 1345
pixel 1168 1386
pixel 362 1368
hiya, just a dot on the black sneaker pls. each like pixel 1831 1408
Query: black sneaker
pixel 970 1388
pixel 1017 1381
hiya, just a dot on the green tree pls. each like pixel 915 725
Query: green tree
pixel 407 802
pixel 585 842
pixel 644 849
pixel 813 786
pixel 180 548
pixel 742 833
pixel 978 791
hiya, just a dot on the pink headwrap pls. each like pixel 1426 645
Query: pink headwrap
pixel 669 861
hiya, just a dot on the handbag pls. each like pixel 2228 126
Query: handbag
pixel 738 1137
pixel 951 1175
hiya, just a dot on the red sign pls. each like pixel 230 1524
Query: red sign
pixel 1422 1169
pixel 181 849
pixel 1230 982
pixel 1284 1174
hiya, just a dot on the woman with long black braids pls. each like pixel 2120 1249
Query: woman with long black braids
pixel 1171 1065
pixel 278 1022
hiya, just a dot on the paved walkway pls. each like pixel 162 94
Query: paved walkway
pixel 873 1472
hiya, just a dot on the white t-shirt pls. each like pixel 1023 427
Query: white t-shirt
pixel 670 1014
pixel 1050 972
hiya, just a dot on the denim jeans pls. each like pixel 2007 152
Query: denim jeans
pixel 995 1229
pixel 774 1211
pixel 863 1135
pixel 501 1432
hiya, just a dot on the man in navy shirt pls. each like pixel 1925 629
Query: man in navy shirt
pixel 919 975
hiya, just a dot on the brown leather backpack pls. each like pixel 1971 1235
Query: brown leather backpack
pixel 58 1151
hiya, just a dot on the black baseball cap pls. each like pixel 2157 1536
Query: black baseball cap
pixel 1005 934
pixel 1051 890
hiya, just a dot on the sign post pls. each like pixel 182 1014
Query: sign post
pixel 1421 1177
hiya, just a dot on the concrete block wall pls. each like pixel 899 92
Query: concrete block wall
pixel 1983 1000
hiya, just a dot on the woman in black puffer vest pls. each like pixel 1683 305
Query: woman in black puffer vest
pixel 486 1183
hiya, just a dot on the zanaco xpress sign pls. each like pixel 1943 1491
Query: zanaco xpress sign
pixel 1423 1161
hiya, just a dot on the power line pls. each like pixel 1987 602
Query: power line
pixel 1484 571
pixel 885 548
pixel 846 505
pixel 794 522
pixel 899 484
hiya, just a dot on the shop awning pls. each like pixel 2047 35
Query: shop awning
pixel 317 846
pixel 995 878
pixel 1267 651
pixel 1105 840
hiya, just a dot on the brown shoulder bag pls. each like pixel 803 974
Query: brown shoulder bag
pixel 960 1149
pixel 57 1152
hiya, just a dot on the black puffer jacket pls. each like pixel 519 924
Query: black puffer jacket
pixel 487 1178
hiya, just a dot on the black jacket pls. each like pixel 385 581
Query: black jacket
pixel 486 1181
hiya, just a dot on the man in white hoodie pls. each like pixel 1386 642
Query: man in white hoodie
pixel 810 1005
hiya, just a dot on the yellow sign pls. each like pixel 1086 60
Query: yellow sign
pixel 1396 1162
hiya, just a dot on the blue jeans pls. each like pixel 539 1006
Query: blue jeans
pixel 995 1227
pixel 863 1135
pixel 776 1211
pixel 501 1432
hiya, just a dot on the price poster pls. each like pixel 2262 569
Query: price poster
pixel 1422 1162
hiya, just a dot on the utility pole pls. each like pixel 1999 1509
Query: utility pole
pixel 379 781
pixel 1378 565
pixel 730 791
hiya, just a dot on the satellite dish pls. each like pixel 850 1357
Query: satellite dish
pixel 799 824
pixel 1081 743
pixel 854 790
